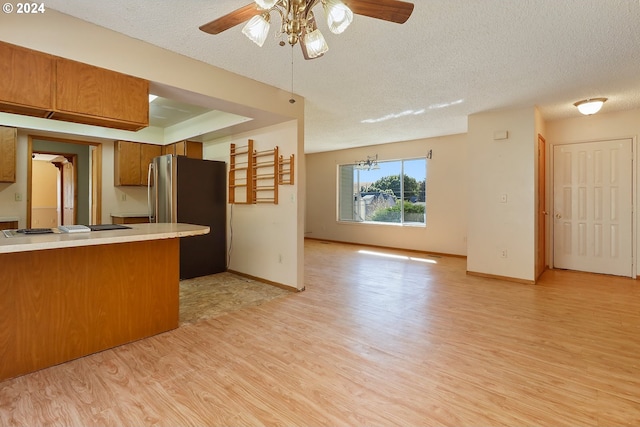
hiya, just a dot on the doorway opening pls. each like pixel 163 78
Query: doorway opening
pixel 54 193
pixel 63 182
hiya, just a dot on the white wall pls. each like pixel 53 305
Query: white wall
pixel 601 126
pixel 447 178
pixel 500 168
pixel 262 238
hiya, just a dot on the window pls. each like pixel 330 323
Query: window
pixel 393 193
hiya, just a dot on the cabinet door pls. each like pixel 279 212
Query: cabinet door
pixel 127 163
pixel 181 148
pixel 169 149
pixel 193 149
pixel 131 162
pixel 8 138
pixel 26 81
pixel 94 95
pixel 147 153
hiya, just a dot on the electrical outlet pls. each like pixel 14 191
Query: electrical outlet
pixel 18 197
pixel 503 253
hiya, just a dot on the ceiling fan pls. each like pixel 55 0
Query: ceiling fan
pixel 299 23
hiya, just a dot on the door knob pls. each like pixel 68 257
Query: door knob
pixel 558 216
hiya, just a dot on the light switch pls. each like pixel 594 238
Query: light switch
pixel 503 198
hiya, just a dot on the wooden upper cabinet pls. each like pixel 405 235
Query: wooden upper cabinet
pixel 26 78
pixel 8 141
pixel 191 149
pixel 93 95
pixel 131 162
pixel 169 149
pixel 147 153
pixel 126 163
pixel 37 84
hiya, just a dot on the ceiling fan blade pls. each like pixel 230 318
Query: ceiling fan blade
pixel 387 10
pixel 231 19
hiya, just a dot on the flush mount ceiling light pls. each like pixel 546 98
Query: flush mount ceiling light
pixel 298 23
pixel 590 106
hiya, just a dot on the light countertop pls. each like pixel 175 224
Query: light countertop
pixel 137 233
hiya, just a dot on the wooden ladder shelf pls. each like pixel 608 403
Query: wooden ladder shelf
pixel 285 170
pixel 265 179
pixel 254 176
pixel 241 174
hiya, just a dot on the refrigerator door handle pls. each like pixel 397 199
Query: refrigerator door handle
pixel 150 205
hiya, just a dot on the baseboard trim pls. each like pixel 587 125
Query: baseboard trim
pixel 497 277
pixel 387 247
pixel 268 282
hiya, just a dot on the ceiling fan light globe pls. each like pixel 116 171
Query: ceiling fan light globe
pixel 315 44
pixel 339 16
pixel 257 29
pixel 266 4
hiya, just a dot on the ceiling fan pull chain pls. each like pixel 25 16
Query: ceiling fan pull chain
pixel 292 99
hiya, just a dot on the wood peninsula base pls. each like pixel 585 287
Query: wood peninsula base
pixel 61 304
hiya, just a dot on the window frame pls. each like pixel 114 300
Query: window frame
pixel 354 198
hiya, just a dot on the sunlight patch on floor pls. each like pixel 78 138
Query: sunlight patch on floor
pixel 408 258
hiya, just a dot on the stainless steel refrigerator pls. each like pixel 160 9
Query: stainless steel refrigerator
pixel 192 191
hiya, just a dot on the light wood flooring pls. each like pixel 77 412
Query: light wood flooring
pixel 373 340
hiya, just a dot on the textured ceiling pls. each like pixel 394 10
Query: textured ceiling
pixel 382 82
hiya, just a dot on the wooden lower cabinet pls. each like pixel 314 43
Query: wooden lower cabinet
pixel 118 219
pixel 8 225
pixel 61 304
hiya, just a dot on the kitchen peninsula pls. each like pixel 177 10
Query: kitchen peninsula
pixel 67 295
